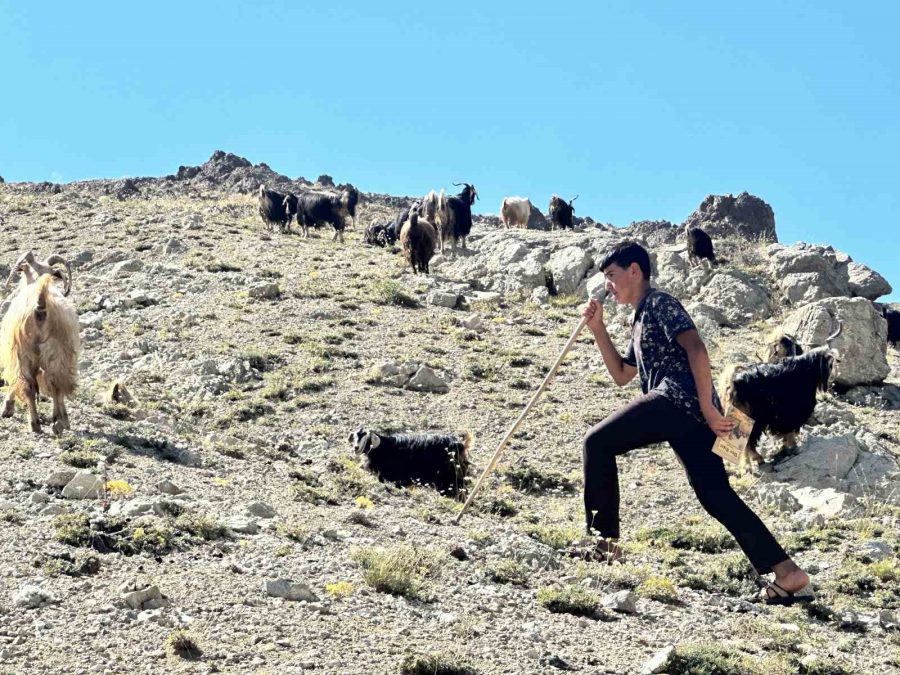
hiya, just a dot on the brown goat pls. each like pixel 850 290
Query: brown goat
pixel 418 239
pixel 39 345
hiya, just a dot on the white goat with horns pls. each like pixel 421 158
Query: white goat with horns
pixel 39 341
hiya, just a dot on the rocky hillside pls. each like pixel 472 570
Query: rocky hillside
pixel 212 518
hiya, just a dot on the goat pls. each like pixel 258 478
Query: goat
pixel 779 397
pixel 440 460
pixel 699 245
pixel 39 346
pixel 780 345
pixel 290 210
pixel 31 269
pixel 417 240
pixel 515 212
pixel 272 208
pixel 454 216
pixel 352 202
pixel 314 209
pixel 892 316
pixel 376 234
pixel 561 212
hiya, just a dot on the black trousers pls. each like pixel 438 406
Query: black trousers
pixel 653 419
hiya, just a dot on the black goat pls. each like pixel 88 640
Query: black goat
pixel 454 216
pixel 561 212
pixel 779 397
pixel 699 245
pixel 780 345
pixel 352 201
pixel 272 208
pixel 440 460
pixel 892 316
pixel 314 209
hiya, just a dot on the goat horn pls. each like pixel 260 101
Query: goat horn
pixel 27 257
pixel 574 198
pixel 55 259
pixel 835 334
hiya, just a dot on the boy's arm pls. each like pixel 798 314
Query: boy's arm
pixel 622 373
pixel 698 358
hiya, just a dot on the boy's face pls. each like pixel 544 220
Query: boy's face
pixel 625 284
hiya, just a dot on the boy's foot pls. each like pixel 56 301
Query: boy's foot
pixel 773 594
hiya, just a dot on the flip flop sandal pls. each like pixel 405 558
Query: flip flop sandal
pixel 599 551
pixel 773 594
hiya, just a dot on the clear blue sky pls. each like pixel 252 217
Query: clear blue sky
pixel 641 107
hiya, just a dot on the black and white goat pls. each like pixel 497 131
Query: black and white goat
pixel 780 397
pixel 454 216
pixel 699 245
pixel 440 460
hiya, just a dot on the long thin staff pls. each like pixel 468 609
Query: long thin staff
pixel 499 451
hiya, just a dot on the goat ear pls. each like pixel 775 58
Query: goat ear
pixel 375 439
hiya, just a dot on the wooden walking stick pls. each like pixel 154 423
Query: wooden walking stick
pixel 499 451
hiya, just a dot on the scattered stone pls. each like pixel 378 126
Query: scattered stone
pixel 887 619
pixel 623 601
pixel 33 597
pixel 659 661
pixel 84 485
pixel 873 551
pixel 265 292
pixel 60 478
pixel 828 502
pixel 426 379
pixel 242 524
pixel 260 510
pixel 290 590
pixel 540 295
pixel 167 487
pixel 473 322
pixel 145 598
pixel 442 299
pixel 125 267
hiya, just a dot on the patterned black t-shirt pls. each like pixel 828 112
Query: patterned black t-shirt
pixel 662 363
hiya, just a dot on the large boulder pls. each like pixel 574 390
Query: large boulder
pixel 862 344
pixel 739 299
pixel 567 268
pixel 821 461
pixel 866 282
pixel 536 220
pixel 808 272
pixel 653 232
pixel 745 215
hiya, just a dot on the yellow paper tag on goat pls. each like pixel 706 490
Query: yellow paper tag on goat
pixel 732 446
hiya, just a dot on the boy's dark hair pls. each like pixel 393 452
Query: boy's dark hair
pixel 627 252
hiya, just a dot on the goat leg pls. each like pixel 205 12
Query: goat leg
pixel 60 416
pixel 750 457
pixel 33 419
pixel 9 406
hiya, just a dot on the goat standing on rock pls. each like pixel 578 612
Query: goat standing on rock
pixel 779 396
pixel 699 245
pixel 454 216
pixel 39 345
pixel 561 212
